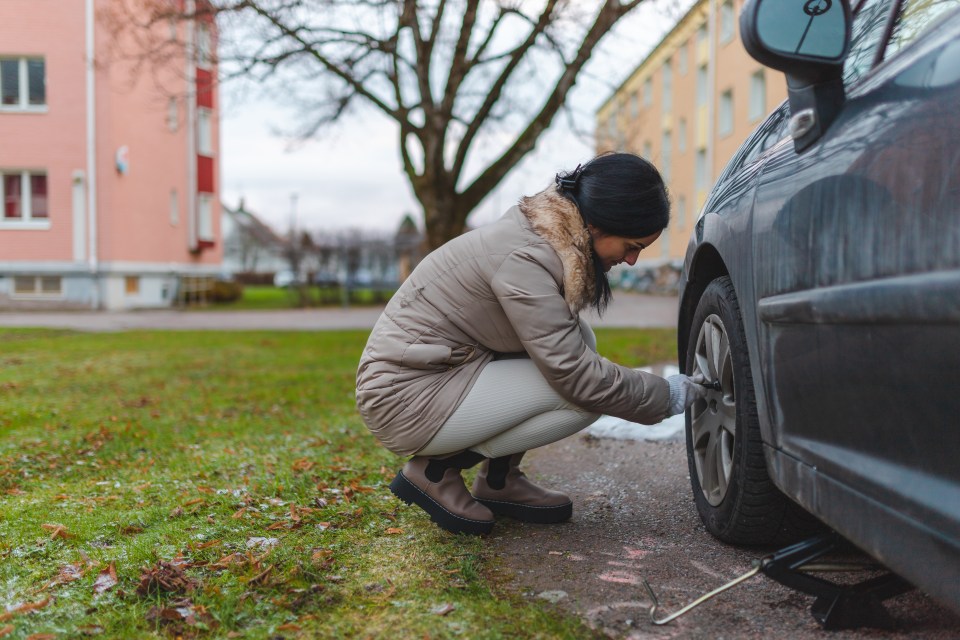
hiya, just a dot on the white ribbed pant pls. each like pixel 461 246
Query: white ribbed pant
pixel 510 408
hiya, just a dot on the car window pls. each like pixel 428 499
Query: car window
pixel 869 28
pixel 916 16
pixel 771 131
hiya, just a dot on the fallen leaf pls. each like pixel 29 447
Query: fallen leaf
pixel 42 636
pixel 58 531
pixel 205 545
pixel 167 577
pixel 239 513
pixel 261 577
pixel 131 529
pixel 393 531
pixel 442 609
pixel 7 630
pixel 106 579
pixel 289 627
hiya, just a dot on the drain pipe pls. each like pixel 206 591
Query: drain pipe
pixel 92 259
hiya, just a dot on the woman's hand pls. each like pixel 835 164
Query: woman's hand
pixel 684 391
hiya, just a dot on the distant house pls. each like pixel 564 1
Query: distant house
pixel 108 181
pixel 249 245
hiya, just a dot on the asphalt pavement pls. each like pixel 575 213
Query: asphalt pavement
pixel 626 310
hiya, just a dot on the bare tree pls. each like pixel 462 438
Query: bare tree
pixel 448 73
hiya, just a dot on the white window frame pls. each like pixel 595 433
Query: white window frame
pixel 758 95
pixel 700 171
pixel 727 29
pixel 666 154
pixel 26 219
pixel 205 217
pixel 204 47
pixel 667 81
pixel 702 83
pixel 23 85
pixel 205 131
pixel 725 113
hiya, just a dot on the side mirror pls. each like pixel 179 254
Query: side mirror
pixel 808 40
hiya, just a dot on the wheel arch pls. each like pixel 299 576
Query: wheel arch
pixel 706 266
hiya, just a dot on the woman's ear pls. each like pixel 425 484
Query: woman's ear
pixel 595 231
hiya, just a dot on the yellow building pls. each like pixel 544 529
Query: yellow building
pixel 688 107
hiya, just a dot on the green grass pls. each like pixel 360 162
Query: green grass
pixel 168 457
pixel 263 298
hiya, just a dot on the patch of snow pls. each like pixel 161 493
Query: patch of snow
pixel 671 429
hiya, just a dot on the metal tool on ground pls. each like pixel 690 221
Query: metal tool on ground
pixel 838 606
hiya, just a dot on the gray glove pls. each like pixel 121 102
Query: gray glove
pixel 684 391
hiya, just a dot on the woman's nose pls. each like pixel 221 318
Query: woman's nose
pixel 631 258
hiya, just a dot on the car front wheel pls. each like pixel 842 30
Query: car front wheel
pixel 735 497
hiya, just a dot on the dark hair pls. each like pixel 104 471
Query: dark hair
pixel 620 194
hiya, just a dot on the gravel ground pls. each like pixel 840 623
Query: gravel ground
pixel 634 519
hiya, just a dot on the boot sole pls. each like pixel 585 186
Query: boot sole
pixel 445 519
pixel 527 513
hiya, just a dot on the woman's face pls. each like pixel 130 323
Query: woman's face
pixel 612 250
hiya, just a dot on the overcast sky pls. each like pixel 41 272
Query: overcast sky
pixel 352 175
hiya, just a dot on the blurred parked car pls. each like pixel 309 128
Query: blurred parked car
pixel 821 290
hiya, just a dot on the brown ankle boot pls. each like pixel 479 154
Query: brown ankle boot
pixel 501 486
pixel 436 486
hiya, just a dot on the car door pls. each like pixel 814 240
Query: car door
pixel 857 277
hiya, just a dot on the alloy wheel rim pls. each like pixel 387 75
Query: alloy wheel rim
pixel 713 420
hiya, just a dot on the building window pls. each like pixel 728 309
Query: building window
pixel 666 152
pixel 174 208
pixel 204 46
pixel 37 285
pixel 24 196
pixel 681 212
pixel 131 285
pixel 726 22
pixel 648 93
pixel 725 113
pixel 682 59
pixel 647 150
pixel 682 135
pixel 612 126
pixel 173 115
pixel 22 83
pixel 702 85
pixel 700 177
pixel 758 95
pixel 205 217
pixel 667 76
pixel 634 105
pixel 702 35
pixel 204 132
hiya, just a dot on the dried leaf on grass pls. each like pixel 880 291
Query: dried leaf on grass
pixel 443 609
pixel 165 577
pixel 42 636
pixel 106 579
pixel 26 607
pixel 57 531
pixel 7 630
pixel 181 614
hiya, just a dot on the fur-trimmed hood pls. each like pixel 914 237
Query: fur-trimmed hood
pixel 557 220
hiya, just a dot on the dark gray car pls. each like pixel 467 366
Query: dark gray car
pixel 821 290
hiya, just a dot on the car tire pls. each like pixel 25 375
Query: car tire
pixel 736 500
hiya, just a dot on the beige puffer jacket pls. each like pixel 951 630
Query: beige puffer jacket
pixel 512 286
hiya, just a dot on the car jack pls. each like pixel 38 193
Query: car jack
pixel 838 606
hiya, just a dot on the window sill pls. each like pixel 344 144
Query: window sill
pixel 24 225
pixel 8 108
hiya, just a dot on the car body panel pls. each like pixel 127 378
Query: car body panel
pixel 846 261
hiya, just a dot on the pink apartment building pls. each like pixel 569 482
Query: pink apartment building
pixel 108 171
